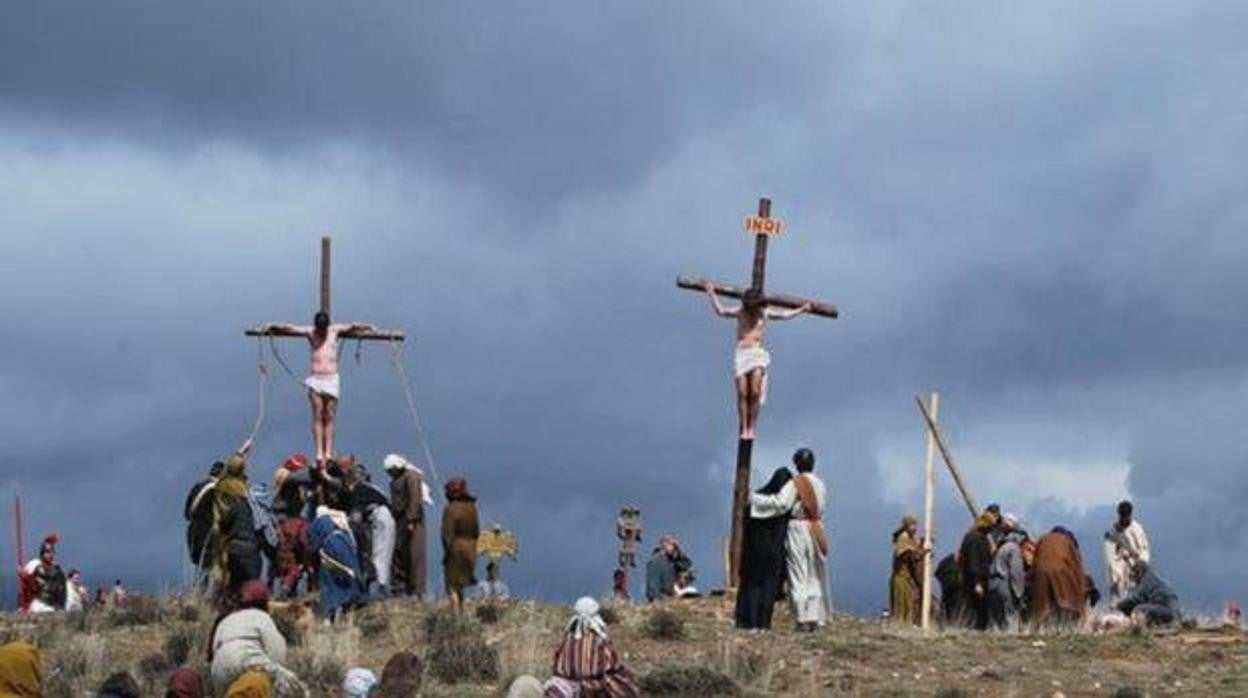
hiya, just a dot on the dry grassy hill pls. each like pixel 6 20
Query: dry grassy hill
pixel 686 648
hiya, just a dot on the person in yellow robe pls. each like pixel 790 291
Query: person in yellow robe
pixel 905 584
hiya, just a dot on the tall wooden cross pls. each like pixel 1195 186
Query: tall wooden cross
pixel 388 335
pixel 763 227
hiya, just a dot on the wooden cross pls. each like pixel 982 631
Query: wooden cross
pixel 388 335
pixel 762 226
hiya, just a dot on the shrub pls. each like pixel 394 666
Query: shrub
pixel 289 628
pixel 139 611
pixel 372 624
pixel 180 644
pixel 457 649
pixel 664 625
pixel 610 616
pixel 688 681
pixel 152 669
pixel 490 612
pixel 321 673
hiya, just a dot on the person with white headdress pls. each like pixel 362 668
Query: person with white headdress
pixel 359 683
pixel 1007 581
pixel 408 497
pixel 586 663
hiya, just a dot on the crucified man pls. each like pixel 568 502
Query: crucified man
pixel 751 360
pixel 322 383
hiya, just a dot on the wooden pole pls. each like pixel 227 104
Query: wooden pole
pixel 325 275
pixel 948 458
pixel 740 509
pixel 18 532
pixel 929 505
pixel 19 547
pixel 759 272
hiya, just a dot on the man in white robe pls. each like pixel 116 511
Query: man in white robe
pixel 1125 545
pixel 803 498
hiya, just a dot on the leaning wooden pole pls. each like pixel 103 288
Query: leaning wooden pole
pixel 929 506
pixel 948 458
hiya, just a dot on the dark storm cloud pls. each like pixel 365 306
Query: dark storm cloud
pixel 1037 212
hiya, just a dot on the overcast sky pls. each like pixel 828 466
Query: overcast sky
pixel 1037 210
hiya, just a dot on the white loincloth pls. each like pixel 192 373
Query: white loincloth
pixel 747 359
pixel 323 385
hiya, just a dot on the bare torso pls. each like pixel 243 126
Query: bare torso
pixel 325 351
pixel 750 325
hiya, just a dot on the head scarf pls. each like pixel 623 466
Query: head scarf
pixel 234 482
pixel 297 461
pixel 402 676
pixel 906 522
pixel 1010 520
pixel 358 683
pixel 253 594
pixel 338 518
pixel 587 619
pixel 525 687
pixel 457 490
pixel 252 684
pixel 395 462
pixel 185 683
pixel 20 668
pixel 119 685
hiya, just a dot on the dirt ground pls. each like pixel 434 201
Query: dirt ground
pixel 686 641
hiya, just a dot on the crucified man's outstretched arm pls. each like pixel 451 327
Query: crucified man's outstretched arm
pixel 774 313
pixel 719 309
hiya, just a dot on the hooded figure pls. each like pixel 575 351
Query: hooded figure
pixel 401 677
pixel 905 585
pixel 408 497
pixel 373 523
pixel 185 683
pixel 762 561
pixel 1059 585
pixel 460 530
pixel 246 643
pixel 341 577
pixel 586 663
pixel 20 670
pixel 975 567
pixel 358 683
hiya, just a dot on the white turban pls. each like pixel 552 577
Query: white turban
pixel 587 618
pixel 358 683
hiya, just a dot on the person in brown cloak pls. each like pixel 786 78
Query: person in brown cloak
pixel 460 530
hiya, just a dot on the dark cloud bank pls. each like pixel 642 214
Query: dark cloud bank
pixel 1037 211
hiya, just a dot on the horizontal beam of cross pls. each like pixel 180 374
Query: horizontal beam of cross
pixel 382 335
pixel 816 308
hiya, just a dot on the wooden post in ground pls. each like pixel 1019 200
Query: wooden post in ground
pixel 929 506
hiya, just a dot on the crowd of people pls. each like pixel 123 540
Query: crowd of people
pixel 1001 577
pixel 45 587
pixel 327 528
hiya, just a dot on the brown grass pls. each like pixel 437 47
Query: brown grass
pixel 854 657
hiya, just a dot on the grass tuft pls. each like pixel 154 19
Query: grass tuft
pixel 664 624
pixel 688 681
